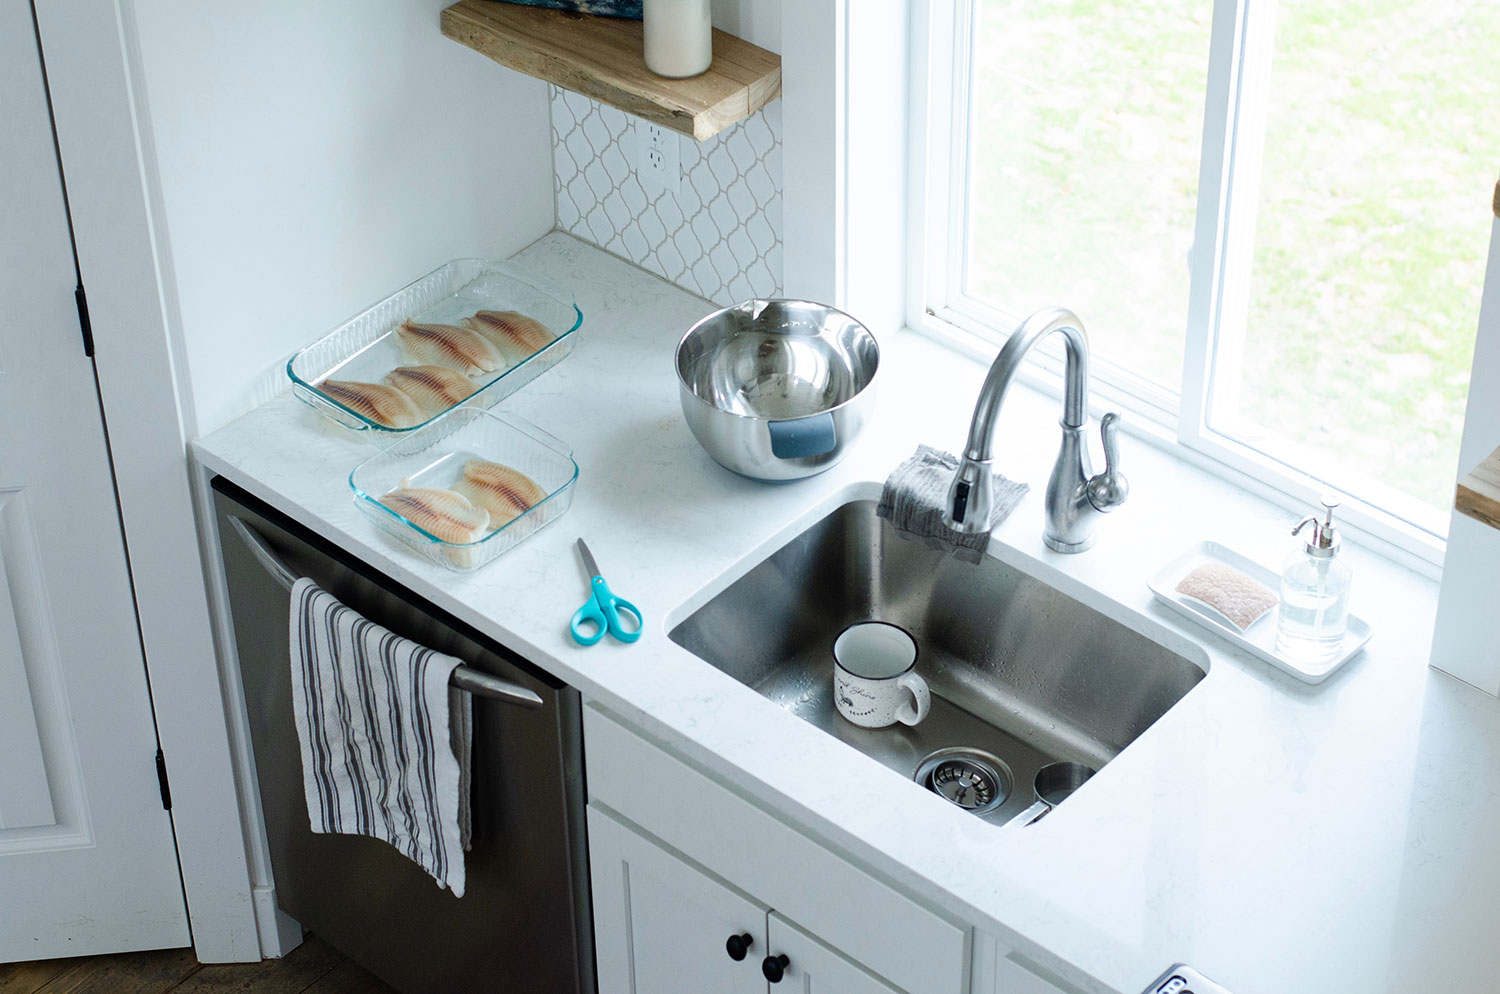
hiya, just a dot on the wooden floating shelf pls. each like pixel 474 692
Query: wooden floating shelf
pixel 1479 492
pixel 601 58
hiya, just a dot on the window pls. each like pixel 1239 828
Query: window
pixel 1270 219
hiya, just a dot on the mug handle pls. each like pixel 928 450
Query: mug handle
pixel 909 713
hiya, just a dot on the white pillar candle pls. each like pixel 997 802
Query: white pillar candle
pixel 679 37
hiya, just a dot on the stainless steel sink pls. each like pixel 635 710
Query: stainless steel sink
pixel 1018 668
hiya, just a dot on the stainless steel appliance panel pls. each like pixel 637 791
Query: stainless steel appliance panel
pixel 524 922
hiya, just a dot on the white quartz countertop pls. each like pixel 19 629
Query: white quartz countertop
pixel 1279 837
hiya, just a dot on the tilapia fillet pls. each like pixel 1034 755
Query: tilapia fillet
pixel 517 336
pixel 449 345
pixel 434 388
pixel 380 402
pixel 504 492
pixel 443 514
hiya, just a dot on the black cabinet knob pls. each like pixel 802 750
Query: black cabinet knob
pixel 739 945
pixel 774 967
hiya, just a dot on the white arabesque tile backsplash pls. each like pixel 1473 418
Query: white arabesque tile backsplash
pixel 719 236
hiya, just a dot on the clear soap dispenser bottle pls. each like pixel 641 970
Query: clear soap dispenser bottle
pixel 1314 593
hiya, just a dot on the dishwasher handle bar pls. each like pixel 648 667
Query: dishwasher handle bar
pixel 464 677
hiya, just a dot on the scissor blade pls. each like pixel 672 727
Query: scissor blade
pixel 588 560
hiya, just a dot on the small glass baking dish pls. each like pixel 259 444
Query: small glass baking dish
pixel 434 457
pixel 365 348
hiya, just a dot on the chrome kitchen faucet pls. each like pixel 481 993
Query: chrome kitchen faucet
pixel 1074 497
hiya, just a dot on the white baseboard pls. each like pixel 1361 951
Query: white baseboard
pixel 279 932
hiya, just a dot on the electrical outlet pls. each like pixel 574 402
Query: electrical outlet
pixel 658 162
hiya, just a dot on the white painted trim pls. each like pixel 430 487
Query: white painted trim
pixel 939 116
pixel 1463 642
pixel 1206 284
pixel 845 149
pixel 984 952
pixel 873 181
pixel 959 114
pixel 813 147
pixel 278 933
pixel 1463 639
pixel 927 111
pixel 105 149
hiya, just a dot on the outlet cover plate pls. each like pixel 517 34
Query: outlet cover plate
pixel 658 158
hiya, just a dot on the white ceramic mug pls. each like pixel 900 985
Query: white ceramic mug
pixel 873 680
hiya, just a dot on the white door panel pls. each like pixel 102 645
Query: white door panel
pixel 87 863
pixel 25 797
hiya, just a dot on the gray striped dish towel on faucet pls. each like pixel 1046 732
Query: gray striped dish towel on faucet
pixel 386 741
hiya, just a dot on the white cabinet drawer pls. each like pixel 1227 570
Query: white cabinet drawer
pixel 914 948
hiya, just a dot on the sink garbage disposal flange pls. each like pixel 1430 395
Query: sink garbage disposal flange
pixel 973 779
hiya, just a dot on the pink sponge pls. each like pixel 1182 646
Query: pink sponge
pixel 1225 589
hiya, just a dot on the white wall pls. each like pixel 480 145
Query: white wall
pixel 756 21
pixel 312 157
pixel 1464 642
pixel 1482 414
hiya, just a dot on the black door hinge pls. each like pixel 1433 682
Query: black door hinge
pixel 161 778
pixel 83 321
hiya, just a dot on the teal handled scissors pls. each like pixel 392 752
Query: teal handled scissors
pixel 603 610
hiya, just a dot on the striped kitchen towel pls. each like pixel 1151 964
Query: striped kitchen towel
pixel 385 740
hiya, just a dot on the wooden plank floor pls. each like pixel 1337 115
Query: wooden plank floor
pixel 312 968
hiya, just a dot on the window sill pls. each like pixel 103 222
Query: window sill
pixel 1397 541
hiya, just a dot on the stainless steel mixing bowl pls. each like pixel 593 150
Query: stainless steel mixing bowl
pixel 777 389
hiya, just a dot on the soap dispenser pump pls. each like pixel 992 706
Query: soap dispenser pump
pixel 1315 584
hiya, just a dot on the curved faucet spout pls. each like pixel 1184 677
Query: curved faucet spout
pixel 1003 370
pixel 1073 496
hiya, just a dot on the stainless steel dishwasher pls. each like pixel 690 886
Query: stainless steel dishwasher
pixel 524 922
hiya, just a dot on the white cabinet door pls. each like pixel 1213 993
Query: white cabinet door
pixel 87 862
pixel 809 967
pixel 911 945
pixel 661 926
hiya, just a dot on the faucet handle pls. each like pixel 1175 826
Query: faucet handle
pixel 1108 490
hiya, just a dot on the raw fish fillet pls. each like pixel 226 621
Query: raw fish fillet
pixel 434 388
pixel 443 514
pixel 504 492
pixel 449 345
pixel 517 336
pixel 380 403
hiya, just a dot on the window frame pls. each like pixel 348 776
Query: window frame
pixel 1236 99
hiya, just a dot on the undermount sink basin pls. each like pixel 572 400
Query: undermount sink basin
pixel 1018 669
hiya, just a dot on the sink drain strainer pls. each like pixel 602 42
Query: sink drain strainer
pixel 975 781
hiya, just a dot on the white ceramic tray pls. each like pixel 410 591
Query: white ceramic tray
pixel 1260 638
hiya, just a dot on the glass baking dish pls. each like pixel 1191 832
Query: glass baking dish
pixel 434 457
pixel 365 348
